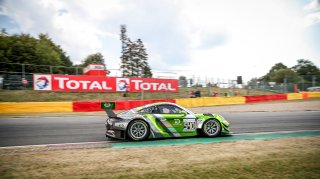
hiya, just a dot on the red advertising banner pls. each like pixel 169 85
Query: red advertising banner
pixel 83 83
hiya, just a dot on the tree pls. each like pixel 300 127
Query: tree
pixel 3 32
pixel 144 68
pixel 125 61
pixel 273 70
pixel 307 70
pixel 96 58
pixel 16 50
pixel 183 81
pixel 65 60
pixel 284 75
pixel 134 59
pixel 278 66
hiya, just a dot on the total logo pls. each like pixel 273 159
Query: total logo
pixel 42 82
pixel 123 84
pixel 153 86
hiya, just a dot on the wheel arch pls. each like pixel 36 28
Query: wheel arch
pixel 212 118
pixel 135 119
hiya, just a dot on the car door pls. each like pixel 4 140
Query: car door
pixel 176 120
pixel 159 123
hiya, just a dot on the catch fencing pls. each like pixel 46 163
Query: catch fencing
pixel 16 76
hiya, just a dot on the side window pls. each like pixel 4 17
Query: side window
pixel 150 110
pixel 169 109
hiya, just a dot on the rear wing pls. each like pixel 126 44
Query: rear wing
pixel 108 108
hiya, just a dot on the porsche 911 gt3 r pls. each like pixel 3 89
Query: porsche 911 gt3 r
pixel 161 120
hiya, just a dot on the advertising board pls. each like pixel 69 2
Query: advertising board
pixel 83 83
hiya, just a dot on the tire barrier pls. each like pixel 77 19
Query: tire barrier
pixel 35 107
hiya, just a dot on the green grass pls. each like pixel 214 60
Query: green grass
pixel 41 96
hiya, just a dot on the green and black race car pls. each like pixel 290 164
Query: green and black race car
pixel 163 120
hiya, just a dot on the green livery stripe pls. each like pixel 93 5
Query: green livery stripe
pixel 165 125
pixel 158 127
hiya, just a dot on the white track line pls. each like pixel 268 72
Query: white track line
pixel 107 142
pixel 59 144
pixel 281 132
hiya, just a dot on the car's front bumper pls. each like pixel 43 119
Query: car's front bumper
pixel 225 128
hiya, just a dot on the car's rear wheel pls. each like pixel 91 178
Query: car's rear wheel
pixel 138 130
pixel 211 128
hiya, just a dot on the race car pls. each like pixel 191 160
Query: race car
pixel 162 120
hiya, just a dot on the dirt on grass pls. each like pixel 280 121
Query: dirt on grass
pixel 276 158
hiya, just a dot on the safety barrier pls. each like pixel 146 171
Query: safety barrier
pixel 295 96
pixel 213 101
pixel 35 107
pixel 125 105
pixel 210 101
pixel 265 98
pixel 313 94
pixel 305 95
pixel 90 106
pixel 85 106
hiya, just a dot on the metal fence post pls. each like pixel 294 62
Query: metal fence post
pixel 23 70
pixel 285 84
pixel 142 91
pixel 142 94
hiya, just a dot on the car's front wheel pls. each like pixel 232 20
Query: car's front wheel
pixel 211 128
pixel 138 130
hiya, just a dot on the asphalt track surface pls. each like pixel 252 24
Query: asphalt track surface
pixel 75 129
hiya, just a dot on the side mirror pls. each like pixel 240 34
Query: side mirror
pixel 184 113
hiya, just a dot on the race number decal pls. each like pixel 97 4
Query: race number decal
pixel 189 125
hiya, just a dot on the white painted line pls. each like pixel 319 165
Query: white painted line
pixel 274 132
pixel 59 144
pixel 107 142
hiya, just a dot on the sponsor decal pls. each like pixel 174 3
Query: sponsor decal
pixel 82 83
pixel 123 84
pixel 176 121
pixel 189 125
pixel 157 85
pixel 86 83
pixel 42 82
pixel 108 105
pixel 67 83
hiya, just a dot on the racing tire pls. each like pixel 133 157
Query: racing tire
pixel 211 128
pixel 138 130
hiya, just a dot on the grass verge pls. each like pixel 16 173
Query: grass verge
pixel 277 158
pixel 42 96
